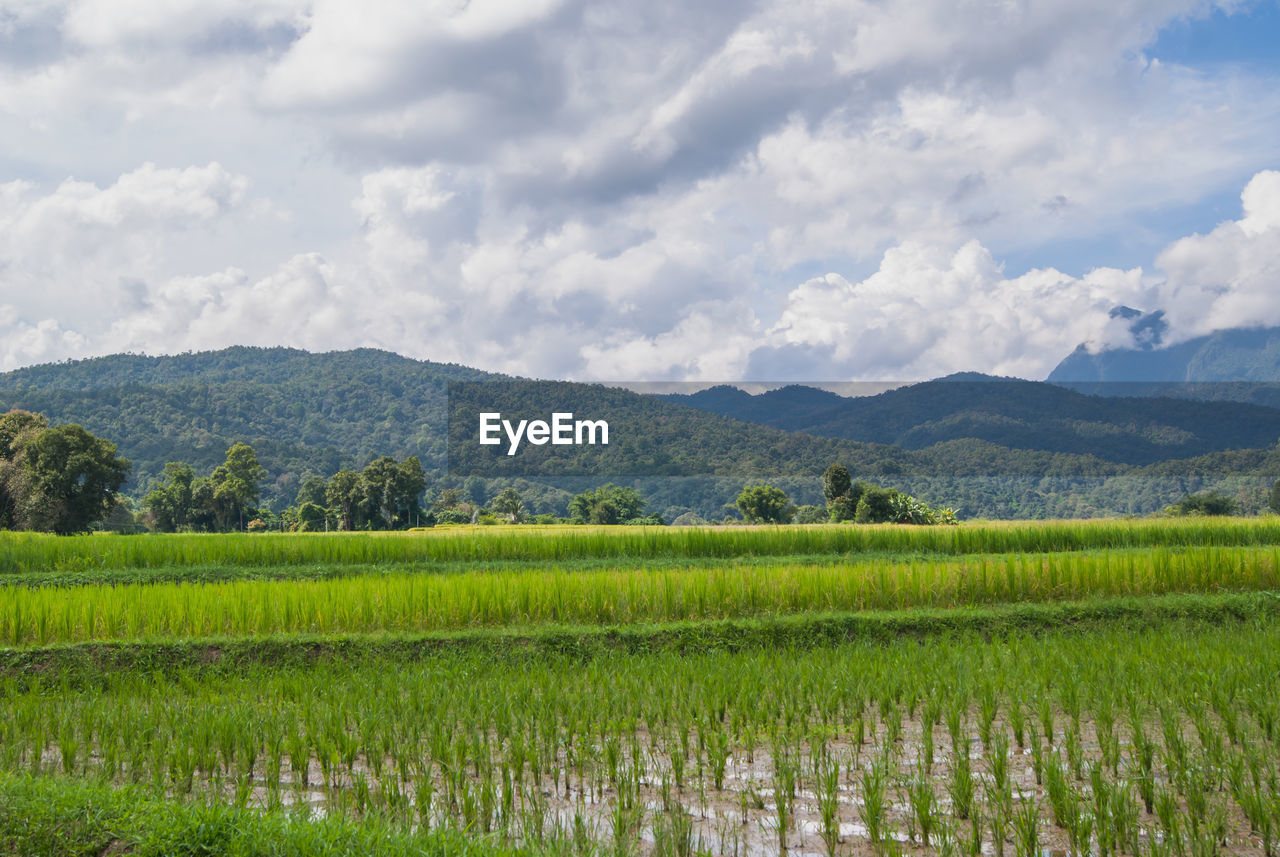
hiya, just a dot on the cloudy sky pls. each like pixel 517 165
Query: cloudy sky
pixel 791 190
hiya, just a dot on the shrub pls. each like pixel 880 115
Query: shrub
pixel 876 506
pixel 1207 503
pixel 765 504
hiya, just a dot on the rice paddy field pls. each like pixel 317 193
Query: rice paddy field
pixel 1061 688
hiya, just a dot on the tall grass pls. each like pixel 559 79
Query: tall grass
pixel 28 552
pixel 416 602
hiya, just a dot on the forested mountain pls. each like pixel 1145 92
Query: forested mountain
pixel 1231 356
pixel 1007 449
pixel 1024 415
pixel 301 412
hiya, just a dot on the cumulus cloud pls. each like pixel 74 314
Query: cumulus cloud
pixel 613 190
pixel 1227 278
pixel 928 312
pixel 82 254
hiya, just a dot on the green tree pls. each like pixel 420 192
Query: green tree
pixel 608 504
pixel 810 515
pixel 412 482
pixel 347 497
pixel 509 505
pixel 447 501
pixel 765 504
pixel 310 491
pixel 1207 503
pixel 170 504
pixel 57 479
pixel 842 509
pixel 311 517
pixel 16 427
pixel 836 483
pixel 876 505
pixel 235 485
pixel 393 489
pixel 1274 500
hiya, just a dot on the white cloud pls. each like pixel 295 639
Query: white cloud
pixel 1227 278
pixel 605 189
pixel 928 312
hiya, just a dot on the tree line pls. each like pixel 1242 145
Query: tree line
pixel 382 496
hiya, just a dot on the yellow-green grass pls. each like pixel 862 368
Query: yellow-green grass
pixel 30 552
pixel 534 596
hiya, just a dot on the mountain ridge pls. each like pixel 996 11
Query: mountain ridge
pixel 314 413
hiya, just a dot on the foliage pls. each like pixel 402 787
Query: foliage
pixel 578 686
pixel 908 510
pixel 1015 414
pixel 608 504
pixel 836 483
pixel 1208 503
pixel 306 414
pixel 810 514
pixel 765 504
pixel 392 490
pixel 57 479
pixel 540 731
pixel 876 506
pixel 509 505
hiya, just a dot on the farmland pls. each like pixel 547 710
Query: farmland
pixel 1101 687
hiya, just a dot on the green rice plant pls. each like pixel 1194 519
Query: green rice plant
pixel 960 782
pixel 998 759
pixel 1071 741
pixel 1026 826
pixel 784 789
pixel 874 807
pixel 25 552
pixel 971 845
pixel 923 803
pixel 1059 793
pixel 522 597
pixel 1045 709
pixel 461 738
pixel 826 787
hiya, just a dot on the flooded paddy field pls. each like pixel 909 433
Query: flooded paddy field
pixel 692 718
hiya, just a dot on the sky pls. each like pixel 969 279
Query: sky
pixel 643 191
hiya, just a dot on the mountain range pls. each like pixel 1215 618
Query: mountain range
pixel 991 447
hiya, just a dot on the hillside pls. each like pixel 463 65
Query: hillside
pixel 1225 356
pixel 954 442
pixel 1022 415
pixel 301 411
pixel 307 412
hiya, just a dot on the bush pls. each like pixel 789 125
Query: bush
pixel 909 510
pixel 809 515
pixel 842 509
pixel 876 506
pixel 1207 503
pixel 765 504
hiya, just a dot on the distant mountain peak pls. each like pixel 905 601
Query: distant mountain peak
pixel 1234 355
